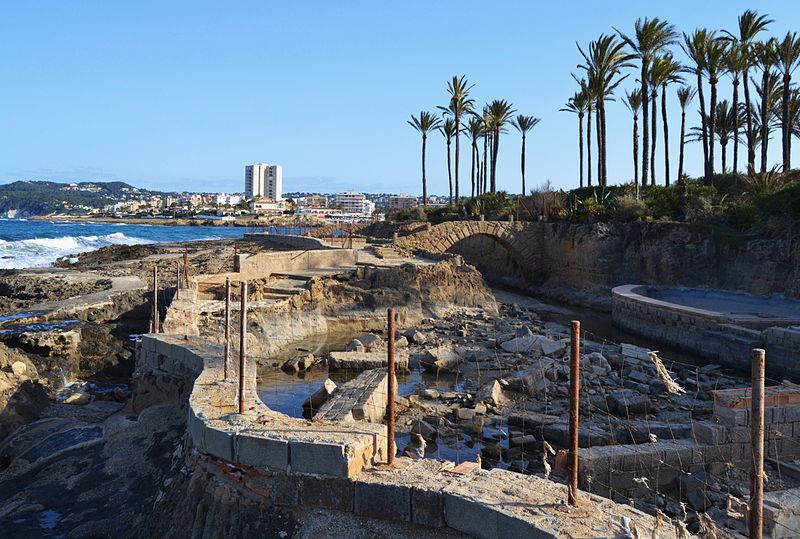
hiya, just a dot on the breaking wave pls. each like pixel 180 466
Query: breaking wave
pixel 39 252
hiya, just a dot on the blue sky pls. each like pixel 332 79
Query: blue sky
pixel 181 95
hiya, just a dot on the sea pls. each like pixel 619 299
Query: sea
pixel 37 243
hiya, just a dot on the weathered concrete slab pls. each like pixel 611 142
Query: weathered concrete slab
pixel 361 361
pixel 362 399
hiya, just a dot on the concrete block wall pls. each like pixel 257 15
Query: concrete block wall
pixel 260 437
pixel 265 263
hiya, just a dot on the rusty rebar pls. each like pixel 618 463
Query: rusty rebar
pixel 227 358
pixel 390 390
pixel 186 269
pixel 242 344
pixel 757 424
pixel 574 394
pixel 177 279
pixel 156 322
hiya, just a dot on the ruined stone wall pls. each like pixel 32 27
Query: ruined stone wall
pixel 563 258
pixel 264 263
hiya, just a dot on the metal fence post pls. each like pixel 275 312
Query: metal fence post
pixel 186 269
pixel 390 391
pixel 227 359
pixel 156 322
pixel 242 344
pixel 177 279
pixel 574 393
pixel 757 424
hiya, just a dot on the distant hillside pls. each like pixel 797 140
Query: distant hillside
pixel 29 198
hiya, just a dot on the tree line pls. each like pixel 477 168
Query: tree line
pixel 751 59
pixel 483 130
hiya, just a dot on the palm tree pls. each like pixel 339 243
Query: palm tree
pixel 523 124
pixel 578 105
pixel 736 64
pixel 425 122
pixel 633 100
pixel 794 112
pixel 685 96
pixel 460 103
pixel 500 112
pixel 604 60
pixel 716 51
pixel 474 129
pixel 694 46
pixel 767 110
pixel 763 53
pixel 664 71
pixel 650 37
pixel 787 58
pixel 750 25
pixel 448 131
pixel 724 129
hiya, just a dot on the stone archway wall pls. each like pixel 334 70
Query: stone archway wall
pixel 520 240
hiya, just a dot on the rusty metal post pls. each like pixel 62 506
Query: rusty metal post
pixel 227 359
pixel 177 279
pixel 186 269
pixel 235 253
pixel 156 322
pixel 574 394
pixel 390 390
pixel 242 344
pixel 757 424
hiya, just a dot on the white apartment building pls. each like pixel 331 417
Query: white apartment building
pixel 263 180
pixel 352 202
pixel 402 202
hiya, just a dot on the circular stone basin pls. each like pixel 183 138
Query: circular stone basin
pixel 736 304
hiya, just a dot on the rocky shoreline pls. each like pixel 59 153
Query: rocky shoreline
pixel 486 381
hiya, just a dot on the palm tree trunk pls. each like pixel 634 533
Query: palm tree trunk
pixel 645 124
pixel 654 129
pixel 599 145
pixel 580 146
pixel 666 133
pixel 522 164
pixel 786 128
pixel 712 128
pixel 424 179
pixel 485 152
pixel 458 138
pixel 636 152
pixel 751 136
pixel 724 157
pixel 703 126
pixel 605 141
pixel 683 138
pixel 764 119
pixel 473 149
pixel 736 125
pixel 589 146
pixel 495 151
pixel 449 173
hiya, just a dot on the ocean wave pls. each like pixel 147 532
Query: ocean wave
pixel 39 252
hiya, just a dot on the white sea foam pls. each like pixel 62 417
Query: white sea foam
pixel 40 252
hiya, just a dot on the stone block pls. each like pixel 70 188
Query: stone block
pixel 219 442
pixel 470 516
pixel 509 526
pixel 197 430
pixel 386 502
pixel 285 490
pixel 732 417
pixel 791 413
pixel 262 452
pixel 318 458
pixel 427 507
pixel 327 493
pixel 709 433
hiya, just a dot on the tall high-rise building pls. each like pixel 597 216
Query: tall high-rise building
pixel 263 181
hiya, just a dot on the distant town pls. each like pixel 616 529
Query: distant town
pixel 262 196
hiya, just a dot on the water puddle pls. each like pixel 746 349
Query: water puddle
pixel 38 327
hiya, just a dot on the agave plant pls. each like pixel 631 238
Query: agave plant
pixel 765 183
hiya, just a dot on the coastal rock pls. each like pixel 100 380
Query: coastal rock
pixel 78 398
pixel 492 393
pixel 18 368
pixel 416 336
pixel 355 346
pixel 440 358
pixel 299 363
pixel 371 342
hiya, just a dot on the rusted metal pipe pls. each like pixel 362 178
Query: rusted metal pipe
pixel 242 344
pixel 186 269
pixel 574 393
pixel 227 359
pixel 177 279
pixel 156 322
pixel 390 391
pixel 757 424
